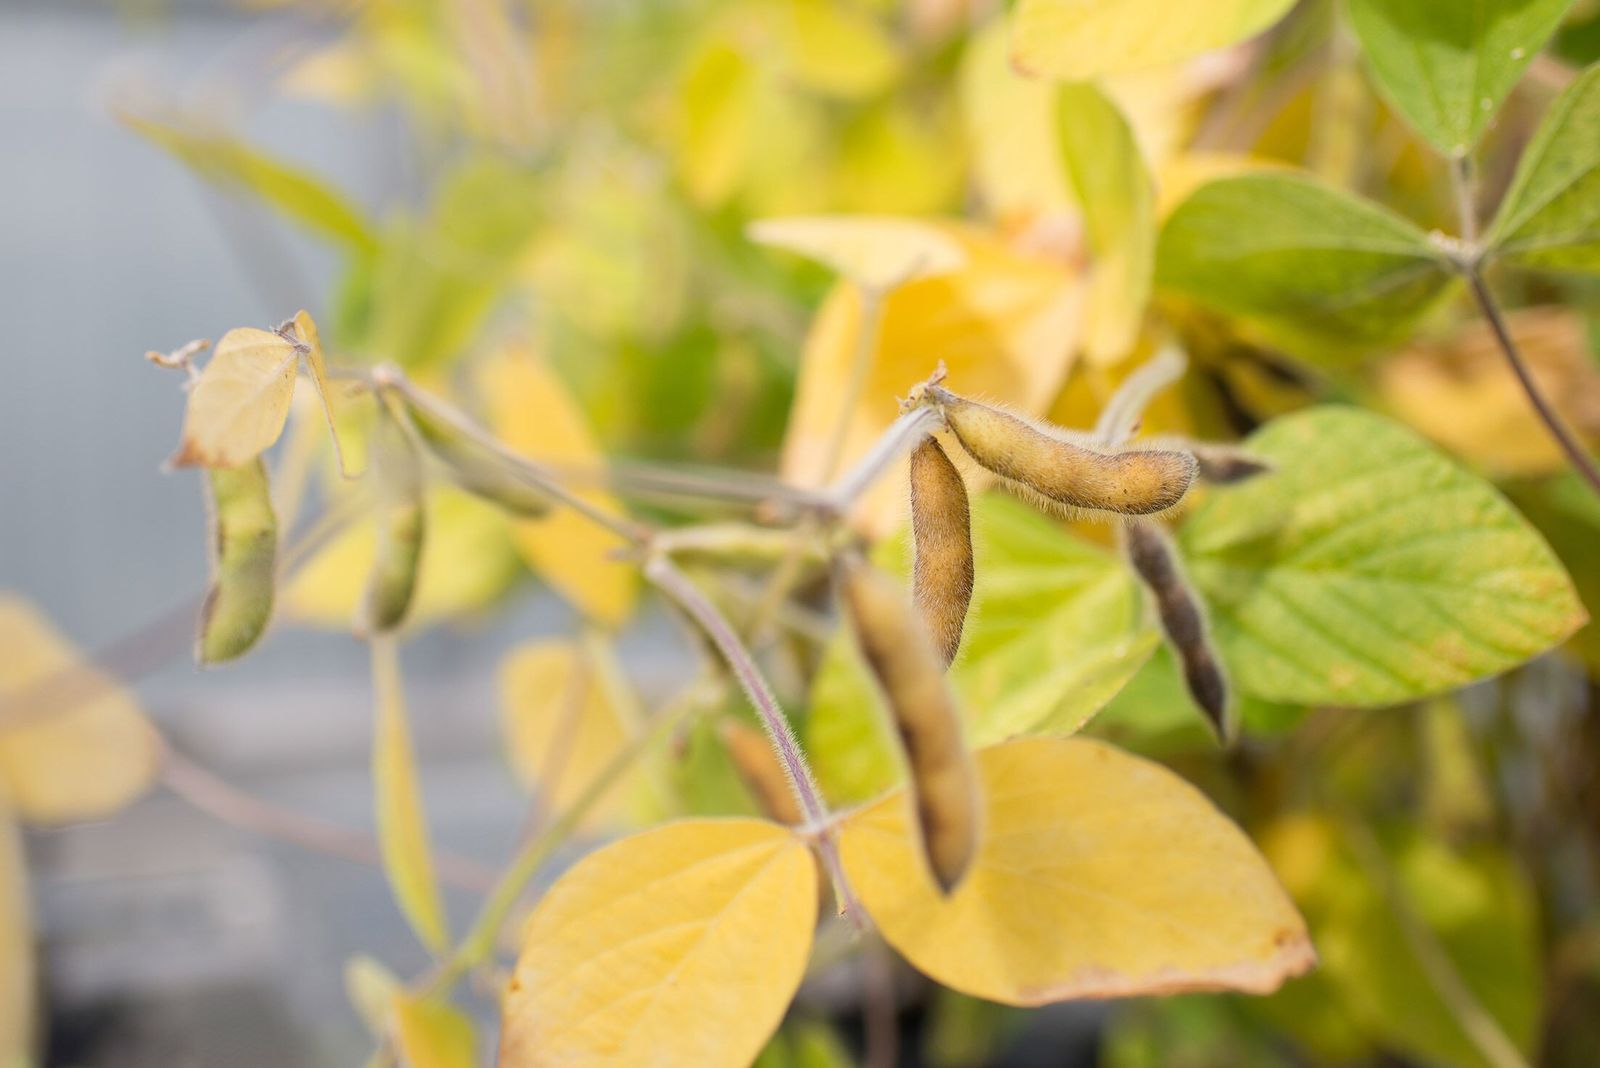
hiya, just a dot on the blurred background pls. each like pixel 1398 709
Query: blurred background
pixel 439 181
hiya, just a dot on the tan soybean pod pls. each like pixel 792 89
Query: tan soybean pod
pixel 760 771
pixel 1074 473
pixel 1183 622
pixel 941 534
pixel 944 783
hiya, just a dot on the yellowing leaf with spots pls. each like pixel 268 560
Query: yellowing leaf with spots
pixel 1100 874
pixel 531 411
pixel 397 804
pixel 875 252
pixel 238 405
pixel 468 562
pixel 1369 569
pixel 74 744
pixel 679 946
pixel 1005 325
pixel 1078 40
pixel 16 950
pixel 563 724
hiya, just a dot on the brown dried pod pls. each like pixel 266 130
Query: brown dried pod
pixel 1224 465
pixel 1183 621
pixel 941 534
pixel 1067 468
pixel 760 771
pixel 898 649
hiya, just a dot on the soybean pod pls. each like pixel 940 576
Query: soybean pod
pixel 941 532
pixel 1068 469
pixel 910 673
pixel 1183 622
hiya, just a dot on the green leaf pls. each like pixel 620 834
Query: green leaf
pixel 1102 160
pixel 1313 268
pixel 1550 217
pixel 231 164
pixel 1474 914
pixel 1447 66
pixel 1054 632
pixel 1077 40
pixel 1370 569
pixel 244 541
pixel 397 804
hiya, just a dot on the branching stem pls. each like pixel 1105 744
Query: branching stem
pixel 1470 264
pixel 676 585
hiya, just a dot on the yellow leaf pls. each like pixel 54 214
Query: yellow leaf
pixel 85 750
pixel 317 364
pixel 876 252
pixel 531 411
pixel 1010 121
pixel 682 945
pixel 1079 40
pixel 468 564
pixel 1100 875
pixel 16 951
pixel 561 725
pixel 1461 393
pixel 714 120
pixel 238 406
pixel 832 49
pixel 397 804
pixel 371 989
pixel 431 1034
pixel 1005 325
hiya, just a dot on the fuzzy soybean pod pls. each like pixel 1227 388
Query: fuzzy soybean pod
pixel 244 552
pixel 1065 468
pixel 473 466
pixel 401 519
pixel 941 535
pixel 896 646
pixel 758 768
pixel 1183 621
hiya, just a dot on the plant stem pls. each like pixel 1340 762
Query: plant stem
pixel 1471 266
pixel 210 793
pixel 534 474
pixel 1481 1029
pixel 903 435
pixel 478 942
pixel 676 585
pixel 1570 445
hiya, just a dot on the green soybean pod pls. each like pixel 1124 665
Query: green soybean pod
pixel 898 649
pixel 473 466
pixel 941 535
pixel 1065 468
pixel 401 518
pixel 244 553
pixel 1183 622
